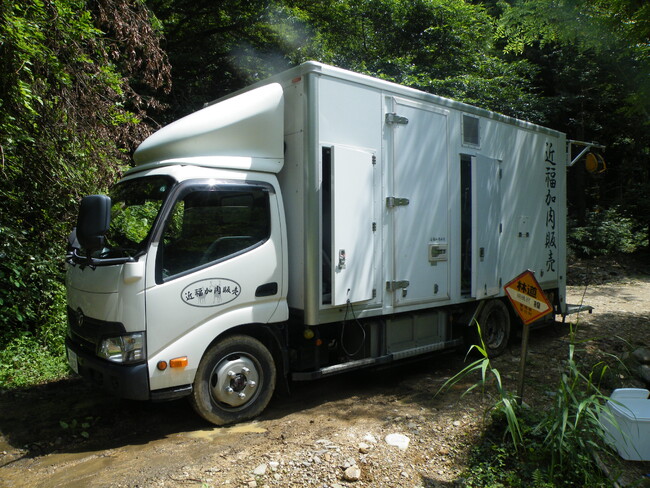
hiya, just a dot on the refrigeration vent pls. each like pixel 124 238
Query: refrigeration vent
pixel 471 135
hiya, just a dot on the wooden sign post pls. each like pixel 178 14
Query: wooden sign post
pixel 531 304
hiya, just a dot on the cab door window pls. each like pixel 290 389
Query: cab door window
pixel 209 225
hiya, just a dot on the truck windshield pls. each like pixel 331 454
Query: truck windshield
pixel 135 207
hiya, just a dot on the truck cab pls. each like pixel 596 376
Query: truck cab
pixel 192 247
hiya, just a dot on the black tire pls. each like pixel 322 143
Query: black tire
pixel 235 380
pixel 494 321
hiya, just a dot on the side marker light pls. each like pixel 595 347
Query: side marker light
pixel 178 362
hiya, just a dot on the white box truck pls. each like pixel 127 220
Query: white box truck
pixel 313 223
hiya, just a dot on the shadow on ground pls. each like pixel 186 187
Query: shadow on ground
pixel 72 416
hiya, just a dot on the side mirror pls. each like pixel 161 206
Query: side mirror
pixel 93 222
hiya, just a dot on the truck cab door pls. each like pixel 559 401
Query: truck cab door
pixel 218 264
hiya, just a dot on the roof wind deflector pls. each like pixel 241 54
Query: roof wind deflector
pixel 248 125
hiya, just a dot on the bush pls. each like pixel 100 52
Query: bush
pixel 33 321
pixel 32 306
pixel 27 360
pixel 607 231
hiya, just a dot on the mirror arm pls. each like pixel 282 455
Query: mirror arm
pixel 75 258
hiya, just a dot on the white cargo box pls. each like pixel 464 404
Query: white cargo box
pixel 630 431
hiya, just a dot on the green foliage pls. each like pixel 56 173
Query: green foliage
pixel 134 221
pixel 69 116
pixel 33 317
pixel 526 23
pixel 493 463
pixel 537 446
pixel 440 46
pixel 78 428
pixel 217 47
pixel 572 429
pixel 606 231
pixel 27 360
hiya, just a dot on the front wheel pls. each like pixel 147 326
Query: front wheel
pixel 494 321
pixel 235 380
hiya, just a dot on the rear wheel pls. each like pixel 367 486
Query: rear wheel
pixel 235 380
pixel 494 321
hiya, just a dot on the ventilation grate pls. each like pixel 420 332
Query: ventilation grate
pixel 471 134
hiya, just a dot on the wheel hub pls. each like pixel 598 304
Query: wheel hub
pixel 234 381
pixel 238 383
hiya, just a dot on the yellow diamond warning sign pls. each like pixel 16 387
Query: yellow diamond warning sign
pixel 527 297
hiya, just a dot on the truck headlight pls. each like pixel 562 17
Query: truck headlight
pixel 124 349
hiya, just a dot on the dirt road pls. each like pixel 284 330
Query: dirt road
pixel 329 433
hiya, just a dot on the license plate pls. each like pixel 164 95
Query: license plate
pixel 72 361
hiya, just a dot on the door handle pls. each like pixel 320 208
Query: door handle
pixel 267 290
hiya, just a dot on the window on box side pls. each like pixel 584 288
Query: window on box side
pixel 471 133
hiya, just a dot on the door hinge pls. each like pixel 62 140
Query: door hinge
pixel 396 285
pixel 393 118
pixel 396 202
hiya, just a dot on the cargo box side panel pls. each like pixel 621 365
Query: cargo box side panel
pixel 534 209
pixel 292 183
pixel 510 213
pixel 419 261
pixel 349 114
pixel 349 138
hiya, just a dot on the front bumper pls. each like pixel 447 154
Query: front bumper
pixel 125 381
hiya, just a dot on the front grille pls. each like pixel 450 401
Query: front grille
pixel 88 332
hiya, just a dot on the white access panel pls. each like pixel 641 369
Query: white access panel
pixel 486 226
pixel 353 271
pixel 420 211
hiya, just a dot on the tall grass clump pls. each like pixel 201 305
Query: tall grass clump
pixel 540 446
